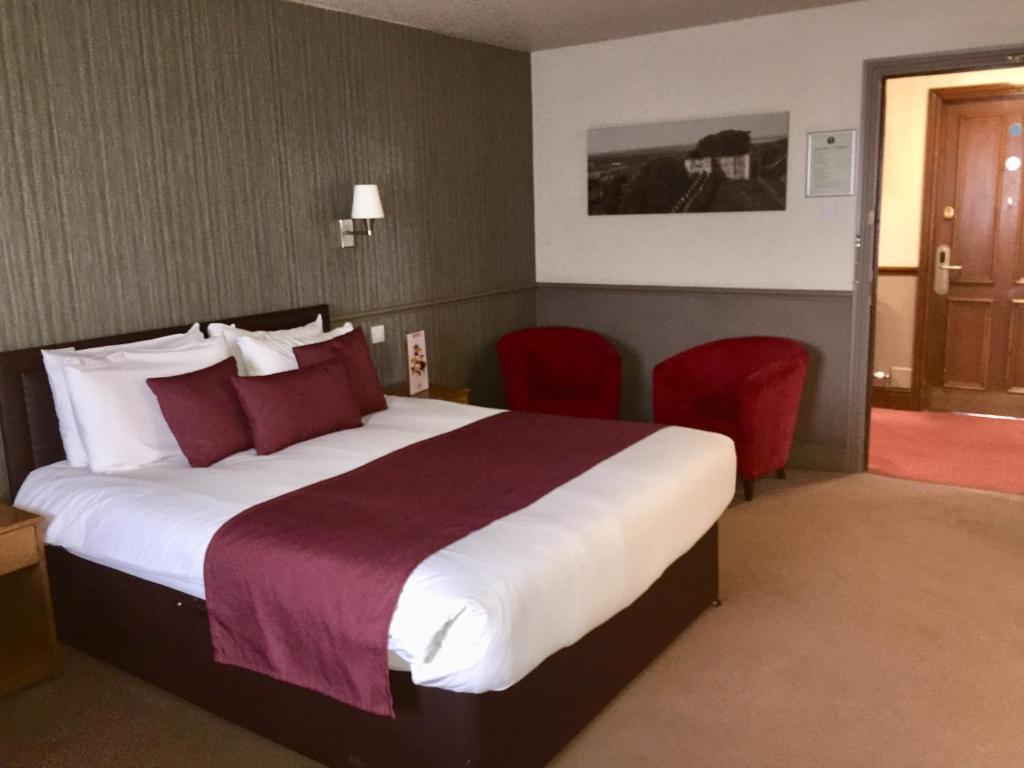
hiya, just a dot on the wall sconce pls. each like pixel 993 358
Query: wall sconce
pixel 365 206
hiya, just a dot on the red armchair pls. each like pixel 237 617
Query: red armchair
pixel 746 388
pixel 568 371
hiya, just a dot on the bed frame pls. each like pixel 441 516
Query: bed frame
pixel 163 636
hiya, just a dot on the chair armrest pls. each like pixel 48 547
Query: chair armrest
pixel 776 386
pixel 768 406
pixel 774 375
pixel 516 380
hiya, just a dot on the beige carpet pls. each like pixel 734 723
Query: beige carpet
pixel 867 621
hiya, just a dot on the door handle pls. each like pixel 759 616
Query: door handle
pixel 944 255
pixel 941 280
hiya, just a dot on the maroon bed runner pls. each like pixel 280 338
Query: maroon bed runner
pixel 303 587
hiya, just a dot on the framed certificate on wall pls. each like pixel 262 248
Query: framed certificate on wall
pixel 830 163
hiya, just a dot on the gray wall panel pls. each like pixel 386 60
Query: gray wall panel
pixel 473 324
pixel 648 325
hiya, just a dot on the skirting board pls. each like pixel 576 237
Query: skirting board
pixel 826 458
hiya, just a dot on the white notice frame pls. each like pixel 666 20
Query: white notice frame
pixel 830 163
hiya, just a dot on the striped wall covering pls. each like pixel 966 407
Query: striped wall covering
pixel 169 160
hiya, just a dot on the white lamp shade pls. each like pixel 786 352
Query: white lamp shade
pixel 366 202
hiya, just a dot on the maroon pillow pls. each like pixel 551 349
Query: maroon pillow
pixel 203 412
pixel 287 408
pixel 362 376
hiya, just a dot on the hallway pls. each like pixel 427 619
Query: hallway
pixel 948 448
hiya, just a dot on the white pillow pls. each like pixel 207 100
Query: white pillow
pixel 55 360
pixel 231 335
pixel 266 356
pixel 117 414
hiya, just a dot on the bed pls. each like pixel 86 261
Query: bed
pixel 126 569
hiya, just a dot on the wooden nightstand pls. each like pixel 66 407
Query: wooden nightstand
pixel 436 392
pixel 28 643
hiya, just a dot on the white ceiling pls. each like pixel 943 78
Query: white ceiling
pixel 533 25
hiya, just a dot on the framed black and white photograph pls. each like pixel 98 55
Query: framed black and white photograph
pixel 830 161
pixel 693 166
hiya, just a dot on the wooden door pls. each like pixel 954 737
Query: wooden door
pixel 973 253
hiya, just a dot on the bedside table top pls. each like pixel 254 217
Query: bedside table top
pixel 12 518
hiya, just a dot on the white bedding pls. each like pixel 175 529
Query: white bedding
pixel 476 616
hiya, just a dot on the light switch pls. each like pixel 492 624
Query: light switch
pixel 377 334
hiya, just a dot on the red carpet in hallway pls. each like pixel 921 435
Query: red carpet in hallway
pixel 948 448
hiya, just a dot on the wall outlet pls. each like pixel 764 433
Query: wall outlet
pixel 902 378
pixel 377 335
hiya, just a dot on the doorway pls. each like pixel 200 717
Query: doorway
pixel 972 319
pixel 948 322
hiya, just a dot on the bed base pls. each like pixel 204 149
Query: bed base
pixel 163 637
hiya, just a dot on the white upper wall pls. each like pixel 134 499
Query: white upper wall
pixel 808 63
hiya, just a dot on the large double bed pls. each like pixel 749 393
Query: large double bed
pixel 503 644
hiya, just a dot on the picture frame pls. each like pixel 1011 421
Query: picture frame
pixel 831 163
pixel 729 164
pixel 416 351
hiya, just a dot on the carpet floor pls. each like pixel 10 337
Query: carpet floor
pixel 866 621
pixel 949 448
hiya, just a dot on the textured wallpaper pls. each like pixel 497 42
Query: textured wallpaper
pixel 165 161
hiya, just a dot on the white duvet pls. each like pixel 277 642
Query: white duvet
pixel 476 616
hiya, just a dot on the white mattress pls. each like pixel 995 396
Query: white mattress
pixel 476 616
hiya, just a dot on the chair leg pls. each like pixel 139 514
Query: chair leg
pixel 781 473
pixel 748 490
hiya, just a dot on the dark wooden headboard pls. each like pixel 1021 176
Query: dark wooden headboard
pixel 28 421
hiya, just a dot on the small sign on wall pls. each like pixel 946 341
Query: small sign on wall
pixel 416 347
pixel 830 161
